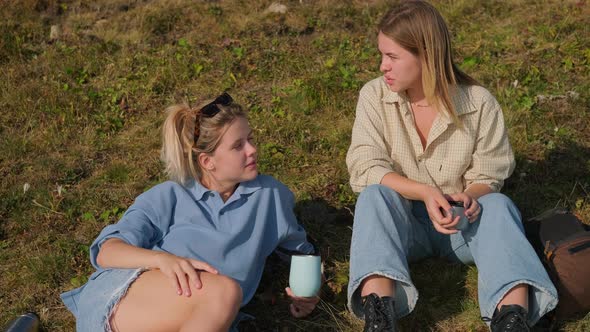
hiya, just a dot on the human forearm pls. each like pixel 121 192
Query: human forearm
pixel 433 199
pixel 409 189
pixel 369 156
pixel 366 165
pixel 477 190
pixel 116 253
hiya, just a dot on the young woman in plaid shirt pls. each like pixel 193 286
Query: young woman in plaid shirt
pixel 425 134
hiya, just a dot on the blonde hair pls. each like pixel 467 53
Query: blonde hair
pixel 420 29
pixel 187 133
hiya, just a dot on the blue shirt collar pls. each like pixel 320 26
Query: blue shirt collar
pixel 244 188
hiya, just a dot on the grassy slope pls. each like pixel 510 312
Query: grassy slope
pixel 82 113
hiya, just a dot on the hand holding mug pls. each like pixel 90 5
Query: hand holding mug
pixel 301 306
pixel 471 206
pixel 305 276
pixel 305 280
pixel 457 210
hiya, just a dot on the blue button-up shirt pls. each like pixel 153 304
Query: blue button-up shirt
pixel 235 236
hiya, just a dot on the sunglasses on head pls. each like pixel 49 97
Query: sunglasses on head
pixel 211 109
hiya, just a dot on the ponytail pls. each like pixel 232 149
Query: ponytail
pixel 186 134
pixel 178 139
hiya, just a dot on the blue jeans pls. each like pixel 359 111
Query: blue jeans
pixel 390 231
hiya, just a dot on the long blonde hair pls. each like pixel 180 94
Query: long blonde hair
pixel 186 133
pixel 420 29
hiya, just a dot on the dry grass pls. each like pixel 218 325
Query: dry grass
pixel 82 112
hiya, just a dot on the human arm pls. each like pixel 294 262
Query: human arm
pixel 116 253
pixel 368 158
pixel 432 197
pixel 294 240
pixel 477 190
pixel 129 242
pixel 301 306
pixel 492 159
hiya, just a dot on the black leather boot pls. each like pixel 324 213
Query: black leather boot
pixel 510 318
pixel 379 313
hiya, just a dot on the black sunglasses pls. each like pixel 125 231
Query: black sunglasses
pixel 211 109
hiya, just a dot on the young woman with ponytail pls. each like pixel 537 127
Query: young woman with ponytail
pixel 189 252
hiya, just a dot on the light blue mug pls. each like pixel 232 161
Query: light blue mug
pixel 305 276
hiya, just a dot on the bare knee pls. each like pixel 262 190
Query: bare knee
pixel 224 297
pixel 230 293
pixel 217 306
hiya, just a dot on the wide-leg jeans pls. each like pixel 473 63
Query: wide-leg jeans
pixel 389 231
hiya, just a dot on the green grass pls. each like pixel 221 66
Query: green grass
pixel 82 113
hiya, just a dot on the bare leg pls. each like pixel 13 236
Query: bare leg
pixel 517 295
pixel 379 285
pixel 151 305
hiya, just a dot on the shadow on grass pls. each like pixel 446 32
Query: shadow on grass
pixel 442 285
pixel 561 179
pixel 446 289
pixel 442 288
pixel 330 229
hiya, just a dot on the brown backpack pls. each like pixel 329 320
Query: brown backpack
pixel 562 242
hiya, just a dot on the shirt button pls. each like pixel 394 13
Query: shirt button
pixel 211 194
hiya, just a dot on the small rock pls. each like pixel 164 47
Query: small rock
pixel 541 99
pixel 277 8
pixel 573 95
pixel 54 33
pixel 101 23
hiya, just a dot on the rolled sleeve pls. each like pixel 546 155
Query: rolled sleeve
pixel 493 159
pixel 296 240
pixel 295 237
pixel 137 227
pixel 367 158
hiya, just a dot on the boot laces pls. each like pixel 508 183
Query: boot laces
pixel 508 320
pixel 383 318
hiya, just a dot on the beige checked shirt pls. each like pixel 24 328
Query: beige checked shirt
pixel 384 139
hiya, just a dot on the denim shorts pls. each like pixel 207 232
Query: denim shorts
pixel 94 303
